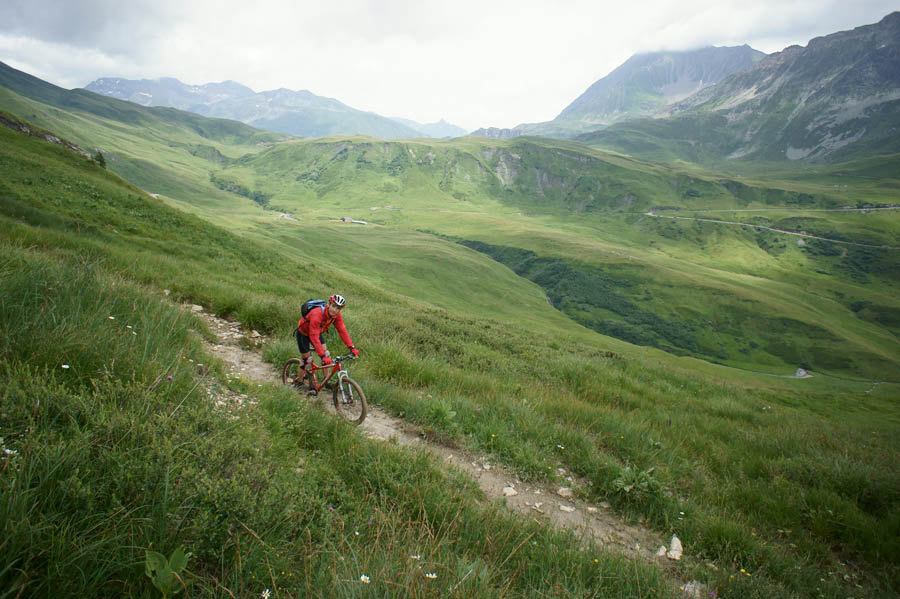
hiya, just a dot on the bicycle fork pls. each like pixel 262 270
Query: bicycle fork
pixel 345 391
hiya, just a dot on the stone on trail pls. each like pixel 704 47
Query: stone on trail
pixel 509 491
pixel 675 549
pixel 694 590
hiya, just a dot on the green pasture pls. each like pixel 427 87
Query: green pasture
pixel 778 487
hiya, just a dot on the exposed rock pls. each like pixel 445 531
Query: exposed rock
pixel 496 133
pixel 564 492
pixel 28 129
pixel 675 549
pixel 510 491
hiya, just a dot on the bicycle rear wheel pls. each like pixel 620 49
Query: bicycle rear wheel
pixel 291 373
pixel 350 401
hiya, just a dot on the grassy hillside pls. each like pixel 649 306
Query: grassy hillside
pixel 114 445
pixel 722 293
pixel 161 150
pixel 785 486
pixel 575 223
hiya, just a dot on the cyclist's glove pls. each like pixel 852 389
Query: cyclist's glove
pixel 354 351
pixel 327 361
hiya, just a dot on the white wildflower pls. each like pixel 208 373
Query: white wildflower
pixel 364 579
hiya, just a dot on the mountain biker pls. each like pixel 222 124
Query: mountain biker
pixel 311 330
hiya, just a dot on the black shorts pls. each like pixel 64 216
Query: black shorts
pixel 303 342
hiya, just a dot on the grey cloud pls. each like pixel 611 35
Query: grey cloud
pixel 113 27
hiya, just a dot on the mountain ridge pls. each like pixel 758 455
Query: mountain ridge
pixel 835 99
pixel 295 112
pixel 639 87
pixel 645 82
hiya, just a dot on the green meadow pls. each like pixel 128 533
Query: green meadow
pixel 513 299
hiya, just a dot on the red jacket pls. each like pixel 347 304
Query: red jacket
pixel 317 322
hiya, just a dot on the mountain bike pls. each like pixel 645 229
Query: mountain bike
pixel 349 399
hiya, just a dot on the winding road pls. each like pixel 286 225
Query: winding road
pixel 795 233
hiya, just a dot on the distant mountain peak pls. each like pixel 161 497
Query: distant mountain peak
pixel 834 99
pixel 647 82
pixel 640 87
pixel 439 129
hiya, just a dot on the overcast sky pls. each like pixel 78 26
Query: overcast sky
pixel 475 63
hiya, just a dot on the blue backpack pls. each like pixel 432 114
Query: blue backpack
pixel 313 303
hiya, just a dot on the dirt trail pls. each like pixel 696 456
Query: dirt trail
pixel 555 505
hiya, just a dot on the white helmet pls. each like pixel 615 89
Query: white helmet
pixel 337 300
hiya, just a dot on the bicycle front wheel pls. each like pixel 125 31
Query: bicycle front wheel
pixel 350 401
pixel 291 373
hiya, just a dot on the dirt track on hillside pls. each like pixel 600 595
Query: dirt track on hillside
pixel 554 505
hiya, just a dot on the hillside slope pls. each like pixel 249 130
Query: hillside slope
pixel 576 223
pixel 569 221
pixel 162 150
pixel 121 436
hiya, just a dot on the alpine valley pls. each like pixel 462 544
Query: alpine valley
pixel 680 300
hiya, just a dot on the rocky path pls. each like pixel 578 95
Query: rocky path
pixel 556 505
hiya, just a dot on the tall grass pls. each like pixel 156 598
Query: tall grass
pixel 112 456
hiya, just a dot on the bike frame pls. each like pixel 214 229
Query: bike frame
pixel 335 368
